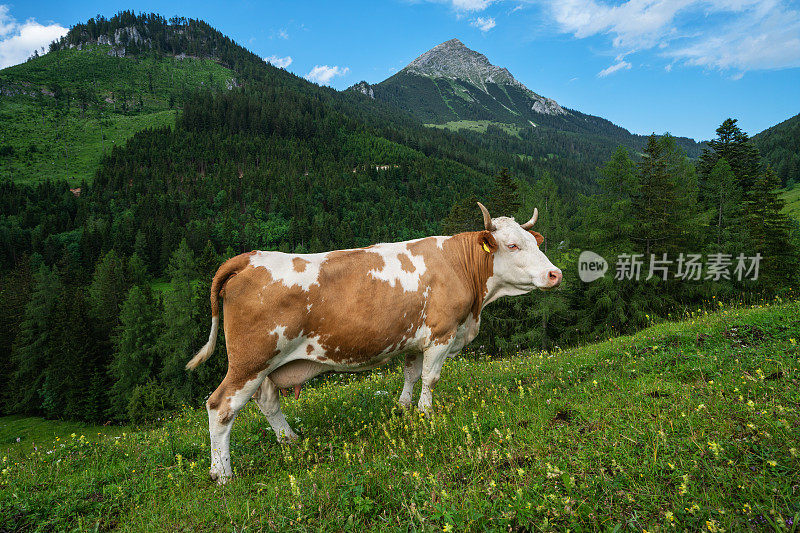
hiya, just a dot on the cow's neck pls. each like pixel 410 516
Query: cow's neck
pixel 474 265
pixel 495 289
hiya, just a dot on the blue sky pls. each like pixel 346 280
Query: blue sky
pixel 681 66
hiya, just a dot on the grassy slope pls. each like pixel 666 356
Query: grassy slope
pixel 49 142
pixel 792 199
pixel 476 125
pixel 691 424
pixel 34 432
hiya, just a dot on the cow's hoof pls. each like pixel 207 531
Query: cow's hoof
pixel 403 404
pixel 220 477
pixel 288 438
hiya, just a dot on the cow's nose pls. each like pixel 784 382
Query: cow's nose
pixel 554 277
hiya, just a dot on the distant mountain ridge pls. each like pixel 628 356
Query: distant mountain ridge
pixel 453 84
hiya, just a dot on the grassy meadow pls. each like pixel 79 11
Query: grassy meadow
pixel 691 425
pixel 478 126
pixel 64 110
pixel 27 433
pixel 792 199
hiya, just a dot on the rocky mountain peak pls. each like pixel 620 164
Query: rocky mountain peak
pixel 453 60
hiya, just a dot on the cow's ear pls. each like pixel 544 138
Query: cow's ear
pixel 487 242
pixel 538 237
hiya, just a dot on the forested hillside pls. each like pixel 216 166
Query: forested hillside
pixel 59 113
pixel 779 145
pixel 104 291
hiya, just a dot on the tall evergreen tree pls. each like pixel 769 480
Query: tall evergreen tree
pixel 552 222
pixel 771 232
pixel 15 288
pixel 665 209
pixel 134 361
pixel 182 323
pixel 608 220
pixel 732 144
pixel 34 347
pixel 463 216
pixel 723 198
pixel 106 292
pixel 504 199
pixel 70 388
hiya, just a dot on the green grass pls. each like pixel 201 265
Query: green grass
pixel 68 147
pixel 792 199
pixel 109 99
pixel 476 125
pixel 21 434
pixel 684 426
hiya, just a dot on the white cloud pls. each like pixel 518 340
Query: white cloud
pixel 759 41
pixel 280 62
pixel 484 24
pixel 19 41
pixel 323 74
pixel 721 34
pixel 279 34
pixel 621 65
pixel 7 23
pixel 471 5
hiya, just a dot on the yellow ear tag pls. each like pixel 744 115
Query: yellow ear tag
pixel 486 248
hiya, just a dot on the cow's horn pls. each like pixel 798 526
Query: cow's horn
pixel 487 220
pixel 529 224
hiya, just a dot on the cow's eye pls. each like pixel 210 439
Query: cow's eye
pixel 513 247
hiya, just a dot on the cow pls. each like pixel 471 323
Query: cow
pixel 290 317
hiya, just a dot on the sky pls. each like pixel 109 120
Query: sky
pixel 677 66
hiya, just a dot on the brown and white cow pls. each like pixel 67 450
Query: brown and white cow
pixel 290 317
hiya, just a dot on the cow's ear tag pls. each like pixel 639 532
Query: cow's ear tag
pixel 486 248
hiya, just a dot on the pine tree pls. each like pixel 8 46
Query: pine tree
pixel 182 323
pixel 771 232
pixel 665 209
pixel 552 221
pixel 464 215
pixel 15 288
pixel 182 263
pixel 608 219
pixel 68 389
pixel 134 361
pixel 724 199
pixel 136 272
pixel 735 147
pixel 106 292
pixel 653 202
pixel 504 199
pixel 34 347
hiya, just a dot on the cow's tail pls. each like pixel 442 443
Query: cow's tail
pixel 228 269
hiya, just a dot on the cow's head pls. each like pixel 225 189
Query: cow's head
pixel 518 263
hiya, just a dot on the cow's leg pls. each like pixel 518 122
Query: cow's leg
pixel 223 405
pixel 412 372
pixel 432 362
pixel 268 400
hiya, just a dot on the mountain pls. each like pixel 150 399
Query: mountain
pixel 780 147
pixel 458 88
pixel 101 83
pixel 107 79
pixel 451 82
